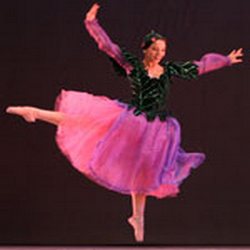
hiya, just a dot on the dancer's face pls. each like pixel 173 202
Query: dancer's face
pixel 156 51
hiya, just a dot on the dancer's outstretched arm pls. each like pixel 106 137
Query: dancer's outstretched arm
pixel 102 39
pixel 213 61
pixel 209 62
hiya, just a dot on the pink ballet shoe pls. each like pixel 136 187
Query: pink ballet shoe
pixel 138 226
pixel 28 113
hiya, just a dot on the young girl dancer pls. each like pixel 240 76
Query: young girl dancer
pixel 132 148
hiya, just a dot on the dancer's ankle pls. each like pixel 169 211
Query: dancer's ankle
pixel 137 223
pixel 30 114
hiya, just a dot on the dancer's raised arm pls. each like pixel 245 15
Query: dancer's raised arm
pixel 213 61
pixel 102 39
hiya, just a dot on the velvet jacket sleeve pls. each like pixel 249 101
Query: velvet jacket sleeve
pixel 106 45
pixel 184 70
pixel 212 61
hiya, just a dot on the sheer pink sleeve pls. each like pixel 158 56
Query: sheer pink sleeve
pixel 106 45
pixel 212 61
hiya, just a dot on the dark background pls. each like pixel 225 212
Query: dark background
pixel 44 47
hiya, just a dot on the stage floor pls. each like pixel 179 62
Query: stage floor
pixel 123 248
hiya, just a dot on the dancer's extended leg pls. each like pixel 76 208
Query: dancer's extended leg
pixel 137 218
pixel 31 114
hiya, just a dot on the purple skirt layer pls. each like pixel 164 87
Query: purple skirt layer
pixel 121 151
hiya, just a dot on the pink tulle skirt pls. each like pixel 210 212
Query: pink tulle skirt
pixel 120 151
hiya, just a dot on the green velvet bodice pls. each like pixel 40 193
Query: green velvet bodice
pixel 149 95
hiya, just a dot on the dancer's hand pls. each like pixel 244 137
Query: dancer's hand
pixel 91 14
pixel 236 56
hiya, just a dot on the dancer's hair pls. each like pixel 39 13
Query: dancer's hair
pixel 150 38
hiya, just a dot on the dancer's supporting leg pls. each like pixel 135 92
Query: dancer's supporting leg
pixel 31 114
pixel 137 219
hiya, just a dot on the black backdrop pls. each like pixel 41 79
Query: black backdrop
pixel 44 47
